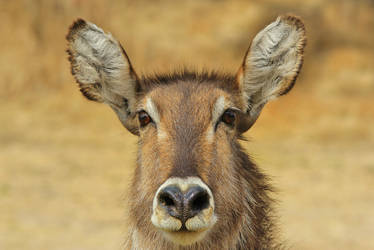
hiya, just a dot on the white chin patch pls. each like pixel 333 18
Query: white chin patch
pixel 185 238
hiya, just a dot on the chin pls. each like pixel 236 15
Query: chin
pixel 185 238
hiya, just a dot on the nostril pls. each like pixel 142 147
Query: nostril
pixel 171 198
pixel 166 200
pixel 200 201
pixel 196 200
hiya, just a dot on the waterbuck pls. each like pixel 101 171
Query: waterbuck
pixel 194 187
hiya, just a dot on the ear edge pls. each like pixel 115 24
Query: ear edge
pixel 76 26
pixel 86 89
pixel 293 20
pixel 300 47
pixel 131 68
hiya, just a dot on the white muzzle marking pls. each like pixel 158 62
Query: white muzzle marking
pixel 193 228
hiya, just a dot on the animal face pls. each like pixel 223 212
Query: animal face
pixel 189 180
pixel 186 130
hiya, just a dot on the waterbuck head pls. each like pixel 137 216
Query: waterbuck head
pixel 193 183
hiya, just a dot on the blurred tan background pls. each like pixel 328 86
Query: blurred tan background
pixel 65 162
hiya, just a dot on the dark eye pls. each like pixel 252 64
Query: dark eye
pixel 144 118
pixel 228 117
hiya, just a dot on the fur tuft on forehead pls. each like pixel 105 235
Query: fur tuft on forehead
pixel 220 79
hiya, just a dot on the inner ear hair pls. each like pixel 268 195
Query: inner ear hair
pixel 100 64
pixel 271 64
pixel 274 59
pixel 103 70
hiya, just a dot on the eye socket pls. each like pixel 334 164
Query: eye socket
pixel 229 117
pixel 144 118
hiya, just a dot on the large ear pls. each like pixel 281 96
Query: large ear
pixel 271 66
pixel 103 71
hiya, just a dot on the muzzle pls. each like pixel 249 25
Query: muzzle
pixel 183 209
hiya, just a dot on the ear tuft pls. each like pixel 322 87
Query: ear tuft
pixel 90 92
pixel 292 20
pixel 75 27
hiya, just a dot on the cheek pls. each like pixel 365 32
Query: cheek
pixel 223 160
pixel 225 163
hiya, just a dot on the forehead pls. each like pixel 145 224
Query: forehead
pixel 189 98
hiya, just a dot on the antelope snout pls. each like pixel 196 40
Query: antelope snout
pixel 184 206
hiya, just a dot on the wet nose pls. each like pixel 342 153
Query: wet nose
pixel 183 205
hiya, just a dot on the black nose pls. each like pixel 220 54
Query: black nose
pixel 183 205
